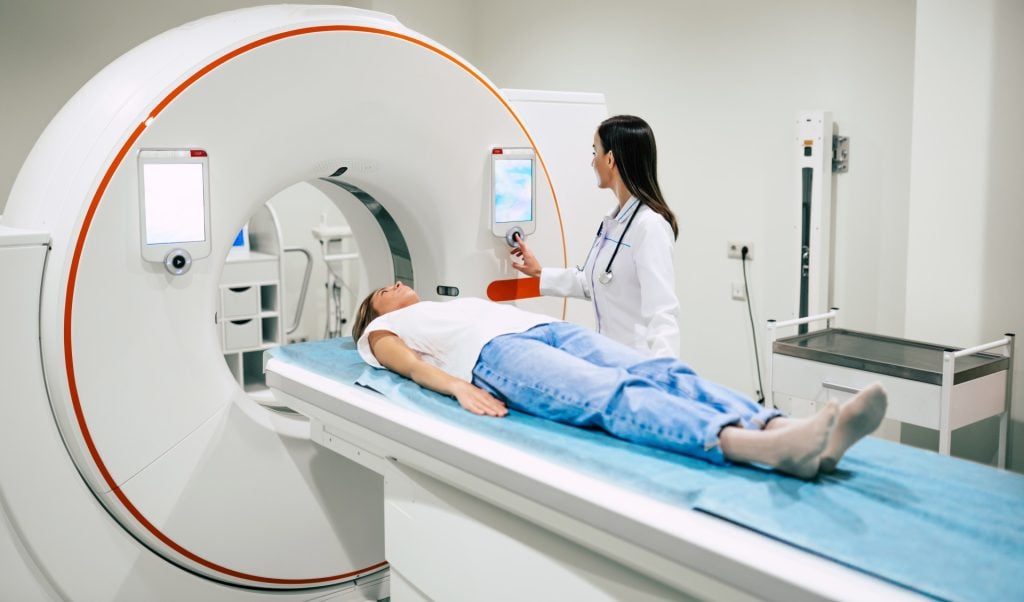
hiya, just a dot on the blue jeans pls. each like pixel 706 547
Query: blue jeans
pixel 573 375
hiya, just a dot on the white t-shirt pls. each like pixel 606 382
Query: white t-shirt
pixel 450 334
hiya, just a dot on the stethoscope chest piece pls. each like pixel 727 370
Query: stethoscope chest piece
pixel 606 275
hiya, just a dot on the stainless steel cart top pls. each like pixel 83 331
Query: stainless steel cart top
pixel 911 360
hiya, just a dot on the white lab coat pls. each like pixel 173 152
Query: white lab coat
pixel 638 307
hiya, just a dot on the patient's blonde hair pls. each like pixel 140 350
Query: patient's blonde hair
pixel 364 315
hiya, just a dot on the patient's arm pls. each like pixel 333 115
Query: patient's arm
pixel 394 355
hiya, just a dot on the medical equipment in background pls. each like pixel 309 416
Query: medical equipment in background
pixel 251 301
pixel 241 246
pixel 146 471
pixel 338 259
pixel 252 307
pixel 303 289
pixel 933 386
pixel 819 154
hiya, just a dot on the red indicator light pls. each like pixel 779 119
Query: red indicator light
pixel 197 153
pixel 497 151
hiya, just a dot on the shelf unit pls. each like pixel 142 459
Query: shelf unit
pixel 250 316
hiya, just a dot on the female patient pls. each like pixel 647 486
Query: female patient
pixel 490 356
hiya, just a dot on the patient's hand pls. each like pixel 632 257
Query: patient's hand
pixel 478 401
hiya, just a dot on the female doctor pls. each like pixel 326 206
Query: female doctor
pixel 629 274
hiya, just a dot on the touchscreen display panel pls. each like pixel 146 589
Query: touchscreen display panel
pixel 175 209
pixel 513 190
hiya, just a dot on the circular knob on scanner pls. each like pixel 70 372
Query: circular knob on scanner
pixel 178 262
pixel 510 236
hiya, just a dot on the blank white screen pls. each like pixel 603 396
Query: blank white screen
pixel 175 208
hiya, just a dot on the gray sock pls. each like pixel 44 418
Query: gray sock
pixel 858 417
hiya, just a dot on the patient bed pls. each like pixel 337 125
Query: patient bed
pixel 893 522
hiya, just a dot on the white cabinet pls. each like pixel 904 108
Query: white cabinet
pixel 250 302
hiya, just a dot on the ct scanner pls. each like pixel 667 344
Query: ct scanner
pixel 132 467
pixel 189 490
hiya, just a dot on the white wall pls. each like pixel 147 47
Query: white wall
pixel 965 281
pixel 721 83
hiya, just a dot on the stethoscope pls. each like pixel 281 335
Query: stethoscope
pixel 606 276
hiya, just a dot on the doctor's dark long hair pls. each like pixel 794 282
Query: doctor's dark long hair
pixel 631 142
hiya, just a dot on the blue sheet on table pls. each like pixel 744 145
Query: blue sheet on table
pixel 944 527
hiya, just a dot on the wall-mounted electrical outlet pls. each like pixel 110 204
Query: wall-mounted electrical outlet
pixel 738 292
pixel 736 249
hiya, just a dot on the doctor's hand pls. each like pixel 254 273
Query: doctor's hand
pixel 527 263
pixel 478 401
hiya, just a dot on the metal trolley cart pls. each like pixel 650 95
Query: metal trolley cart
pixel 933 386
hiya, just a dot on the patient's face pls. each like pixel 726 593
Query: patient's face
pixel 393 297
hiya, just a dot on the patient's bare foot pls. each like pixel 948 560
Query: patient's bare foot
pixel 858 417
pixel 800 444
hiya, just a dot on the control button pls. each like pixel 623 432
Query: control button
pixel 178 262
pixel 510 236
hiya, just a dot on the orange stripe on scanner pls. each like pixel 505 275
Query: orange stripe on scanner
pixel 516 288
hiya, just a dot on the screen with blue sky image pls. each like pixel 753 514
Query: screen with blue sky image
pixel 513 190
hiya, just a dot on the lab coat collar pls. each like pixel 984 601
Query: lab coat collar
pixel 621 215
